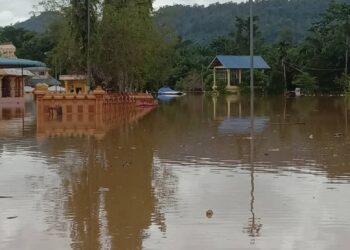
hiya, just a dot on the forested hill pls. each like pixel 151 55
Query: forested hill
pixel 38 23
pixel 289 19
pixel 277 18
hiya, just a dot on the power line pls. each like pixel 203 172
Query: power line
pixel 312 69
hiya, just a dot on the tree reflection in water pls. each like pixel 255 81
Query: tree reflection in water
pixel 111 199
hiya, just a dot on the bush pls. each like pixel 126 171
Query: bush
pixel 306 82
pixel 343 83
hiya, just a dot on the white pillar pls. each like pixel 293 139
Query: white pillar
pixel 228 108
pixel 240 109
pixel 214 72
pixel 228 78
pixel 214 107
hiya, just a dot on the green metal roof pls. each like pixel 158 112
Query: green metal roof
pixel 19 63
pixel 48 80
pixel 238 62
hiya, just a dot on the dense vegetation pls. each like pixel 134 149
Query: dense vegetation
pixel 278 19
pixel 29 44
pixel 200 24
pixel 130 50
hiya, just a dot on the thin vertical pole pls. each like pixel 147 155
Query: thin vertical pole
pixel 251 59
pixel 346 56
pixel 21 90
pixel 252 112
pixel 284 75
pixel 251 72
pixel 88 46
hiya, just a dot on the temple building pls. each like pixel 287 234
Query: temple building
pixel 7 50
pixel 41 75
pixel 75 84
pixel 12 77
pixel 12 84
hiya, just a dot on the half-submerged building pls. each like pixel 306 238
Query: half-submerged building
pixel 228 69
pixel 12 76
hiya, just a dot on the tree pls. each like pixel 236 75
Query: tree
pixel 242 35
pixel 129 44
pixel 306 82
pixel 326 50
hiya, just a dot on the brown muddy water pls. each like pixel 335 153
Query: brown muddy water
pixel 147 180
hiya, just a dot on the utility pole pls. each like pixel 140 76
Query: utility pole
pixel 88 45
pixel 346 55
pixel 251 60
pixel 284 75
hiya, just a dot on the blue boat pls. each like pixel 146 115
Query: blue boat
pixel 169 91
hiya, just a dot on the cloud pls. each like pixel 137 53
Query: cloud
pixel 158 3
pixel 7 17
pixel 13 11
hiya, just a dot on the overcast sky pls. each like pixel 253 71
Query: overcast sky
pixel 12 11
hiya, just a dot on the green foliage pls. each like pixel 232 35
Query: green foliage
pixel 306 82
pixel 130 51
pixel 129 44
pixel 343 83
pixel 192 82
pixel 29 44
pixel 279 19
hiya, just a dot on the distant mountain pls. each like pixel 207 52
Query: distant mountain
pixel 278 18
pixel 38 23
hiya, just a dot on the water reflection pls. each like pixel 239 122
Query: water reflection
pixel 88 124
pixel 283 141
pixel 110 185
pixel 254 226
pixel 144 180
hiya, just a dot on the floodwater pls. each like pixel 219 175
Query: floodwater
pixel 147 180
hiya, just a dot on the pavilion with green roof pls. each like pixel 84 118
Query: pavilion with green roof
pixel 229 69
pixel 12 74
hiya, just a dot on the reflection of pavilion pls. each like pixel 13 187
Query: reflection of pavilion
pixel 235 122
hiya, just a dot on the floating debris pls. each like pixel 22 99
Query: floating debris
pixel 248 138
pixel 311 137
pixel 209 213
pixel 127 164
pixel 12 217
pixel 337 135
pixel 274 150
pixel 102 189
pixel 6 197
